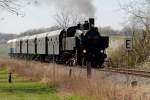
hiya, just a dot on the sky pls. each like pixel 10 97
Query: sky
pixel 108 13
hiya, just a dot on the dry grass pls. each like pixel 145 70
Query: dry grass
pixel 95 89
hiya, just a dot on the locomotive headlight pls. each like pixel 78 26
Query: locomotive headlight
pixel 101 51
pixel 84 51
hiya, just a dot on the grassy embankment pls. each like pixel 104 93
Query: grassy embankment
pixel 77 84
pixel 24 89
pixel 3 49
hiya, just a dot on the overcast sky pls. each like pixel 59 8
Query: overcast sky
pixel 108 13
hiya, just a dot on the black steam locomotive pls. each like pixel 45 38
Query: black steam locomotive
pixel 74 45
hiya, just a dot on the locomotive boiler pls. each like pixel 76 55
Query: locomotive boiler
pixel 75 45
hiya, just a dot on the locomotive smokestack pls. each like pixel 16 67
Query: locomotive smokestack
pixel 91 22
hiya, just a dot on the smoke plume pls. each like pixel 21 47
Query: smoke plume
pixel 84 7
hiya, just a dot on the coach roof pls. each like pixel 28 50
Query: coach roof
pixel 12 40
pixel 25 38
pixel 32 37
pixel 54 33
pixel 42 35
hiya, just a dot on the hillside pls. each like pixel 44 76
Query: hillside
pixel 4 37
pixel 38 31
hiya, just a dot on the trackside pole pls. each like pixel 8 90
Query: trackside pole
pixel 10 77
pixel 70 73
pixel 89 72
pixel 128 58
pixel 53 63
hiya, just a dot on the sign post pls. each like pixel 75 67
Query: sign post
pixel 128 46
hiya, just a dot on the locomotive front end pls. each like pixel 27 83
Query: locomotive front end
pixel 94 46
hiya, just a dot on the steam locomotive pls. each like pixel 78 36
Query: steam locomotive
pixel 75 45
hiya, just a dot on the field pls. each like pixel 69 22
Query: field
pixel 3 49
pixel 37 81
pixel 23 89
pixel 114 42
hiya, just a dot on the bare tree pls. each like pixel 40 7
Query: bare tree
pixel 139 13
pixel 14 6
pixel 65 19
pixel 138 26
pixel 11 6
pixel 142 16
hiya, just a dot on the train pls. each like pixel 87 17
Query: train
pixel 77 44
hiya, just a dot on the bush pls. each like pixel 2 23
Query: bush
pixel 139 53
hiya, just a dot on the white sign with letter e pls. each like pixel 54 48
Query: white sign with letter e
pixel 128 43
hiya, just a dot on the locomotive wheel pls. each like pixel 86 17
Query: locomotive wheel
pixel 93 64
pixel 101 65
pixel 101 61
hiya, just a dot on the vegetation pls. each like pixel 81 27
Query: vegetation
pixel 3 49
pixel 36 81
pixel 64 86
pixel 138 55
pixel 139 30
pixel 24 89
pixel 21 89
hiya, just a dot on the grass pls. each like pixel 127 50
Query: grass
pixel 23 89
pixel 77 87
pixel 3 49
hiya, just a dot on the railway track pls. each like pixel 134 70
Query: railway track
pixel 135 72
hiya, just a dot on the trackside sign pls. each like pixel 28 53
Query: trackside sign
pixel 128 43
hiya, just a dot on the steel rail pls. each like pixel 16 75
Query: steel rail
pixel 134 72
